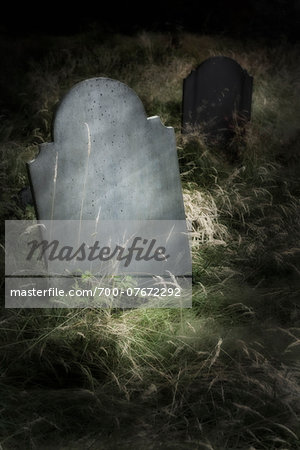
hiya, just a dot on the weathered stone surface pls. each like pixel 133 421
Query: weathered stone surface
pixel 216 97
pixel 108 160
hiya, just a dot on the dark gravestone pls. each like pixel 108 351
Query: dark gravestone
pixel 108 160
pixel 216 98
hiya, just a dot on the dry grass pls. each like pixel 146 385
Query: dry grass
pixel 223 375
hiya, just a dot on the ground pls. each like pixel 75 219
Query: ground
pixel 221 375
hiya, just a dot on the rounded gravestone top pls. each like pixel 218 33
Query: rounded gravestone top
pixel 220 61
pixel 104 101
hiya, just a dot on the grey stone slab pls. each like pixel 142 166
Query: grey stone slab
pixel 107 159
pixel 216 96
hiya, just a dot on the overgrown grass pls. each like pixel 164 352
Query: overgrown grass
pixel 222 375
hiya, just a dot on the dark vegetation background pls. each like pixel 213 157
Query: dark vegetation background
pixel 225 374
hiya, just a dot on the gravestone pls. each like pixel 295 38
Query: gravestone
pixel 109 204
pixel 216 97
pixel 107 159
